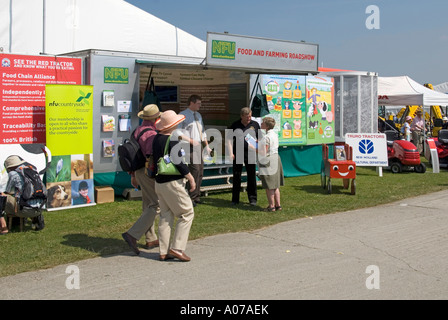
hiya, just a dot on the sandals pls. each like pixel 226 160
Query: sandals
pixel 3 231
pixel 269 209
pixel 279 208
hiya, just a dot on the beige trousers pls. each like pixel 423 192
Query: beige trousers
pixel 150 208
pixel 174 203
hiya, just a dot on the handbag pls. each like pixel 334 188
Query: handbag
pixel 259 105
pixel 150 96
pixel 164 165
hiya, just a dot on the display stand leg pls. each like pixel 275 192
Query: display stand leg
pixel 380 171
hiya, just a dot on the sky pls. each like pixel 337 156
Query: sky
pixel 400 37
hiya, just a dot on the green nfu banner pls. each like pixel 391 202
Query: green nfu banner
pixel 69 136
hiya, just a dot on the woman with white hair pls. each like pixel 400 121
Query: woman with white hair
pixel 270 165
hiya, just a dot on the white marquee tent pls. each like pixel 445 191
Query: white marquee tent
pixel 400 91
pixel 443 87
pixel 61 26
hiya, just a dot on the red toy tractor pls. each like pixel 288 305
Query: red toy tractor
pixel 342 167
pixel 402 154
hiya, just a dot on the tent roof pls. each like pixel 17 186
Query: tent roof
pixel 443 87
pixel 63 26
pixel 399 91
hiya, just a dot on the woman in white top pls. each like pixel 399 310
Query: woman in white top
pixel 270 165
pixel 406 129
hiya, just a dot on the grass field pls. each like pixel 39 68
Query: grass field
pixel 76 234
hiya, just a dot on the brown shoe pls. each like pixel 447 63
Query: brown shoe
pixel 179 255
pixel 164 257
pixel 152 244
pixel 131 241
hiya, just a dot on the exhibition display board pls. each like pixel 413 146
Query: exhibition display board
pixel 223 92
pixel 69 110
pixel 22 90
pixel 302 107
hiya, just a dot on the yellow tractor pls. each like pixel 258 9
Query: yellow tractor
pixel 437 115
pixel 434 118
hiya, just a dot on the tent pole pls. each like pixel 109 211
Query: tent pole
pixel 341 107
pixel 424 128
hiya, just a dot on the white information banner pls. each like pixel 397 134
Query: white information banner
pixel 369 149
pixel 250 53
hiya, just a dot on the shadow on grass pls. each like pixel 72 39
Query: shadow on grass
pixel 101 246
pixel 227 204
pixel 336 188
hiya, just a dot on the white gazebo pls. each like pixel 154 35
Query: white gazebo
pixel 402 91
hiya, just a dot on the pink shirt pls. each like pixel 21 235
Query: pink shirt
pixel 417 124
pixel 147 138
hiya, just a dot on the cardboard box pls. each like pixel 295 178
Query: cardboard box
pixel 104 194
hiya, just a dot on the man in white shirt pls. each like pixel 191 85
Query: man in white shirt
pixel 197 139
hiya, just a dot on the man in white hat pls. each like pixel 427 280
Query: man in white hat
pixel 150 201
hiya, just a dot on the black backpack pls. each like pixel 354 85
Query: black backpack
pixel 33 187
pixel 130 155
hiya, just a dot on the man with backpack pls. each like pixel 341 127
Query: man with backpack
pixel 25 192
pixel 142 177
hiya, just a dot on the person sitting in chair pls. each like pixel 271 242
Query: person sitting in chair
pixel 13 192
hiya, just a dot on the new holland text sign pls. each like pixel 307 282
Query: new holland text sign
pixel 249 53
pixel 369 149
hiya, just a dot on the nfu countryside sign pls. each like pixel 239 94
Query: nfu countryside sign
pixel 249 53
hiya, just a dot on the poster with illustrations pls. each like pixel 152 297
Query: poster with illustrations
pixel 302 107
pixel 320 110
pixel 286 103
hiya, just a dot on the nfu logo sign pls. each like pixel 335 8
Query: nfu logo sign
pixel 369 149
pixel 223 49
